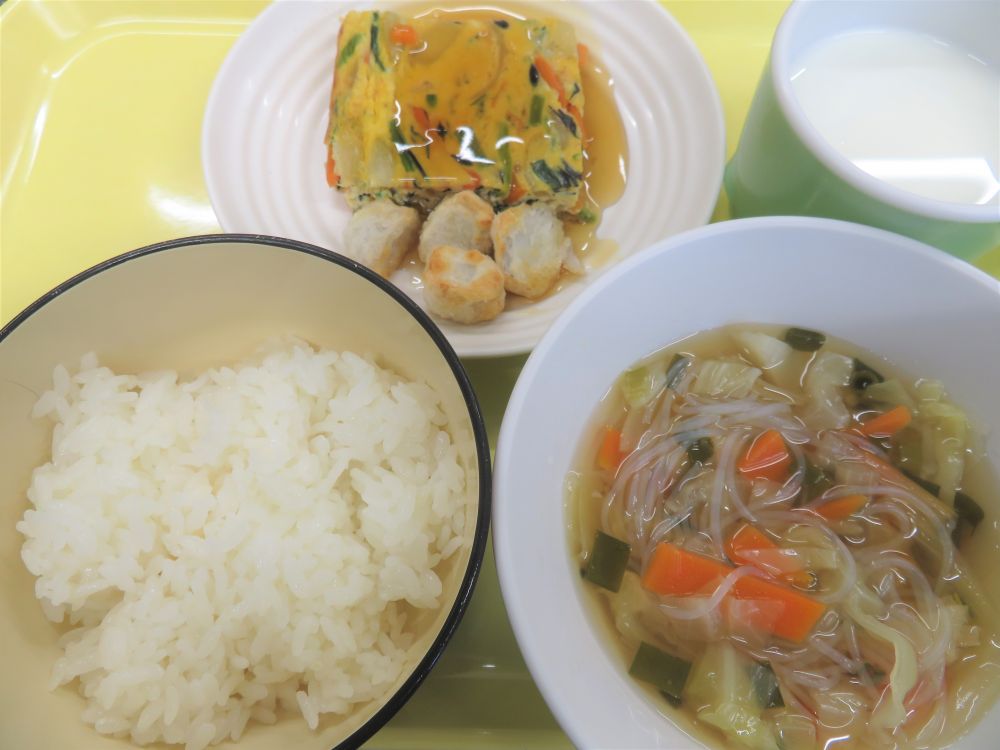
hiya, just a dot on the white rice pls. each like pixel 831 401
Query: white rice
pixel 242 543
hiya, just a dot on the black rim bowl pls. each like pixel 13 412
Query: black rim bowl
pixel 423 668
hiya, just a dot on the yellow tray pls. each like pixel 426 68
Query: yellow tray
pixel 100 120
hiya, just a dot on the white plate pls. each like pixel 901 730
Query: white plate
pixel 263 151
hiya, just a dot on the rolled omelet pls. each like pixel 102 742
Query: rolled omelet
pixel 426 107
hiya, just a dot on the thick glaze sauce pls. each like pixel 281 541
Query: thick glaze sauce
pixel 606 159
pixel 605 148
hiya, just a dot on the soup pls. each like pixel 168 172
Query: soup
pixel 776 531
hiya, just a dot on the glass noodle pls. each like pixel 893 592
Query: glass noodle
pixel 774 531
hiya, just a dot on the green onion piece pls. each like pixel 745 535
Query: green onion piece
pixel 675 702
pixel 374 41
pixel 929 486
pixel 569 175
pixel 863 376
pixel 568 122
pixel 410 162
pixel 678 366
pixel 545 173
pixel 586 216
pixel 700 450
pixel 506 162
pixel 348 49
pixel 815 475
pixel 607 563
pixel 877 674
pixel 432 100
pixel 662 670
pixel 535 114
pixel 765 686
pixel 960 533
pixel 815 482
pixel 968 509
pixel 804 340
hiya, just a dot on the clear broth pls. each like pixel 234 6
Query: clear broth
pixel 973 682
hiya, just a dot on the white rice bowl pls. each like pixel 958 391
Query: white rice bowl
pixel 260 538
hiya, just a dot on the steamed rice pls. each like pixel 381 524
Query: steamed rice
pixel 256 539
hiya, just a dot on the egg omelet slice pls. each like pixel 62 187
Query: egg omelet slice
pixel 443 102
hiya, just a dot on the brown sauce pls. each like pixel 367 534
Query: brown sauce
pixel 605 151
pixel 606 159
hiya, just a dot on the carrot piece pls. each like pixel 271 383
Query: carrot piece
pixel 422 118
pixel 475 180
pixel 842 507
pixel 748 546
pixel 779 610
pixel 674 571
pixel 747 537
pixel 610 454
pixel 404 34
pixel 577 115
pixel 767 458
pixel 888 423
pixel 332 178
pixel 548 74
pixel 782 611
pixel 582 53
pixel 517 191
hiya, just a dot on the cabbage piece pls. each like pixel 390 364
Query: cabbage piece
pixel 842 706
pixel 949 436
pixel 890 712
pixel 961 633
pixel 640 384
pixel 890 392
pixel 795 731
pixel 721 690
pixel 741 723
pixel 967 586
pixel 725 379
pixel 910 449
pixel 638 419
pixel 772 355
pixel 812 547
pixel 945 438
pixel 627 607
pixel 856 473
pixel 826 376
pixel 929 390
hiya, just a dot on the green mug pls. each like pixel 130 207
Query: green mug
pixel 783 165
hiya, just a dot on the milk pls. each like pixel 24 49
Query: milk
pixel 908 109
